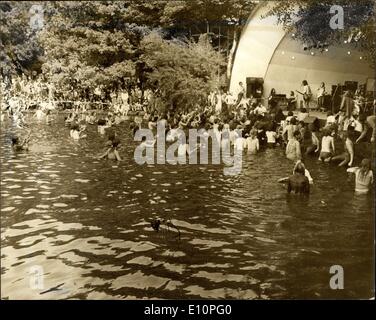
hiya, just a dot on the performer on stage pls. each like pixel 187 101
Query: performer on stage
pixel 291 101
pixel 272 103
pixel 321 92
pixel 307 94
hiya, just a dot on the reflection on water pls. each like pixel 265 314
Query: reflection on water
pixel 87 224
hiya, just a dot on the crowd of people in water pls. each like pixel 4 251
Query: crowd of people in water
pixel 236 121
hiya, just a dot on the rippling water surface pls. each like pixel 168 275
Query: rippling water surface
pixel 87 224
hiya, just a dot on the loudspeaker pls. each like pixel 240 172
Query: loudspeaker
pixel 338 90
pixel 327 101
pixel 255 87
pixel 351 85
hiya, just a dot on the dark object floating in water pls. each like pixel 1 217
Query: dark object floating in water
pixel 156 224
pixel 53 289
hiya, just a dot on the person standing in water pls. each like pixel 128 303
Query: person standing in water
pixel 327 145
pixel 253 144
pixel 39 114
pixel 363 176
pixel 298 182
pixel 293 151
pixel 298 164
pixel 315 142
pixel 347 157
pixel 20 146
pixel 112 152
pixel 75 133
pixel 48 117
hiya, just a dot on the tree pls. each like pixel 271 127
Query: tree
pixel 20 50
pixel 226 15
pixel 185 72
pixel 309 20
pixel 89 44
pixel 145 12
pixel 182 17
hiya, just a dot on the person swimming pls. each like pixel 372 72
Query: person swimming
pixel 363 176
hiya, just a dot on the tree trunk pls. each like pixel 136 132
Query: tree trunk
pixel 231 56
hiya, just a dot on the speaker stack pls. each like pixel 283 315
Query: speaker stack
pixel 255 87
pixel 351 86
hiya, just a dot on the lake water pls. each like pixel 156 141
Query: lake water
pixel 86 225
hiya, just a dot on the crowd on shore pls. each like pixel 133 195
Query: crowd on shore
pixel 237 122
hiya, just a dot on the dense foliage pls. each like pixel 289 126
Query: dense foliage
pixel 309 20
pixel 88 44
pixel 156 43
pixel 99 21
pixel 19 47
pixel 183 71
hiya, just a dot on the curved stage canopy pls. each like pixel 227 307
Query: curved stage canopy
pixel 266 51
